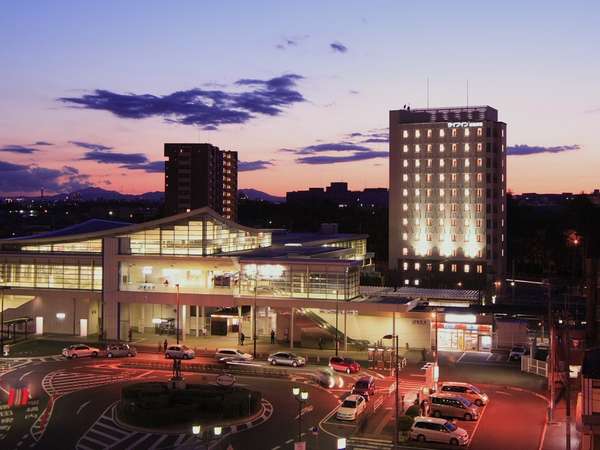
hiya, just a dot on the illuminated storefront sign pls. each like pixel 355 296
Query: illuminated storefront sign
pixel 464 124
pixel 460 318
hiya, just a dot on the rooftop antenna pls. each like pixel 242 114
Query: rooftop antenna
pixel 427 92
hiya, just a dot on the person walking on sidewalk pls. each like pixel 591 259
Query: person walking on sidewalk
pixel 165 345
pixel 242 338
pixel 272 336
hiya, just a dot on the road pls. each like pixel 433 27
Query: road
pixel 72 407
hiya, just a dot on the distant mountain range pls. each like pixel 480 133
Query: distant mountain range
pixel 96 193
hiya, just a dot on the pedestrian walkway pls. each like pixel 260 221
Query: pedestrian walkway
pixel 363 443
pixel 555 433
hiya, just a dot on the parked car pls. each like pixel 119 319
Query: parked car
pixel 352 407
pixel 452 405
pixel 517 351
pixel 117 350
pixel 432 429
pixel 286 359
pixel 347 365
pixel 79 351
pixel 365 386
pixel 230 354
pixel 328 378
pixel 465 390
pixel 179 352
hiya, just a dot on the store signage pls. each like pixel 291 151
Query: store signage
pixel 464 124
pixel 460 318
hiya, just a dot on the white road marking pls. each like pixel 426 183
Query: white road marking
pixel 83 406
pixel 476 427
pixel 289 441
pixel 502 393
pixel 25 374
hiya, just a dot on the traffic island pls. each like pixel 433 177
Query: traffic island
pixel 157 406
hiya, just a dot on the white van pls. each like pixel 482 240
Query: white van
pixel 431 429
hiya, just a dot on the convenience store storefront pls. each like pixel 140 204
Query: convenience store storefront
pixel 462 333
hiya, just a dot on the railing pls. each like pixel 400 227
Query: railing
pixel 535 366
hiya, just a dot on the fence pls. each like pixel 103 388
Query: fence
pixel 537 367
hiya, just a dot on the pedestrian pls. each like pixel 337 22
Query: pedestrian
pixel 159 347
pixel 242 338
pixel 165 345
pixel 272 336
pixel 130 335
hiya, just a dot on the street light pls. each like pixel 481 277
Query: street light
pixel 301 397
pixel 337 312
pixel 395 342
pixel 177 324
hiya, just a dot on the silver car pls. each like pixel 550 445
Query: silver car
pixel 450 405
pixel 179 352
pixel 286 359
pixel 116 350
pixel 79 351
pixel 328 378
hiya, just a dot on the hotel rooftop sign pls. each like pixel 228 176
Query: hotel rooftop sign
pixel 464 124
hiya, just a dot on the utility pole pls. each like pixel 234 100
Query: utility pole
pixel 551 354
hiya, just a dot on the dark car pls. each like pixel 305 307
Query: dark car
pixel 347 365
pixel 116 350
pixel 365 386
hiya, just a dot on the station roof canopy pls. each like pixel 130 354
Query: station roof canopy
pixel 89 226
pixel 468 295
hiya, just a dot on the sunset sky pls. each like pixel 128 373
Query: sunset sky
pixel 90 91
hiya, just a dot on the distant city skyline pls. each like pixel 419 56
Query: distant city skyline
pixel 90 93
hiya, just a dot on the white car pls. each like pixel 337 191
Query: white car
pixel 517 352
pixel 79 351
pixel 352 407
pixel 328 378
pixel 431 429
pixel 230 354
pixel 179 352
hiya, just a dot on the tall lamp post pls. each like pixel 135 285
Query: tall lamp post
pixel 301 397
pixel 337 312
pixel 254 315
pixel 177 320
pixel 396 370
pixel 2 289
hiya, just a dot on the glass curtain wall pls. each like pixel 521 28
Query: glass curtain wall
pixel 51 275
pixel 91 246
pixel 300 281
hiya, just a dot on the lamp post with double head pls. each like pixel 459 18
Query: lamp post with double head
pixel 301 397
pixel 397 380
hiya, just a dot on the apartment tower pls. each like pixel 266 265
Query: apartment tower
pixel 447 213
pixel 198 175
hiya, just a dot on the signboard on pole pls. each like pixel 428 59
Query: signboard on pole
pixel 300 445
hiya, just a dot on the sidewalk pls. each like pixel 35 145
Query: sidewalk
pixel 555 437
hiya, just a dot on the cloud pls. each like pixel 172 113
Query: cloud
pixel 19 149
pixel 374 136
pixel 328 147
pixel 19 178
pixel 96 147
pixel 248 166
pixel 358 156
pixel 199 107
pixel 338 47
pixel 288 42
pixel 354 92
pixel 523 150
pixel 43 143
pixel 150 167
pixel 592 111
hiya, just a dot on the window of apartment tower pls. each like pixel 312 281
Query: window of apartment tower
pixel 442 132
pixel 454 147
pixel 417 192
pixel 467 192
pixel 428 178
pixel 442 208
pixel 467 132
pixel 405 251
pixel 429 146
pixel 429 221
pixel 479 162
pixel 429 267
pixel 467 268
pixel 405 192
pixel 417 163
pixel 417 207
pixel 404 236
pixel 478 207
pixel 428 162
pixel 467 148
pixel 405 148
pixel 405 221
pixel 467 177
pixel 479 268
pixel 429 133
pixel 442 148
pixel 417 266
pixel 453 177
pixel 479 238
pixel 417 177
pixel 467 162
pixel 441 267
pixel 479 223
pixel 417 133
pixel 404 206
pixel 428 207
pixel 417 148
pixel 453 192
pixel 480 177
pixel 404 177
pixel 442 177
pixel 405 266
pixel 479 147
pixel 453 267
pixel 454 162
pixel 405 162
pixel 442 163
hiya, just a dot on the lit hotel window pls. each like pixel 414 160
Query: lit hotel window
pixel 404 207
pixel 479 131
pixel 429 221
pixel 478 238
pixel 467 132
pixel 467 207
pixel 404 177
pixel 442 207
pixel 454 163
pixel 405 133
pixel 404 236
pixel 417 207
pixel 478 207
pixel 479 268
pixel 417 163
pixel 428 207
pixel 442 148
pixel 429 162
pixel 405 221
pixel 467 268
pixel 453 207
pixel 467 148
pixel 405 266
pixel 417 148
pixel 441 222
pixel 417 266
pixel 454 132
pixel 453 238
pixel 417 177
pixel 405 148
pixel 417 282
pixel 453 177
pixel 429 148
pixel 429 133
pixel 442 133
pixel 417 133
pixel 479 146
pixel 442 177
pixel 454 147
pixel 453 267
pixel 479 192
pixel 479 162
pixel 480 177
pixel 441 267
pixel 417 221
pixel 442 162
pixel 442 192
pixel 428 192
pixel 467 162
pixel 467 177
pixel 428 238
pixel 417 192
pixel 407 282
pixel 429 178
pixel 466 192
pixel 478 223
pixel 453 192
pixel 405 162
pixel 405 192
pixel 405 251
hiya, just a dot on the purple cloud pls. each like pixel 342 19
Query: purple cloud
pixel 248 166
pixel 43 143
pixel 150 167
pixel 338 47
pixel 26 179
pixel 199 107
pixel 328 147
pixel 523 150
pixel 20 149
pixel 358 156
pixel 87 145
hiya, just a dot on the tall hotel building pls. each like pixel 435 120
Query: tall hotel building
pixel 447 216
pixel 198 175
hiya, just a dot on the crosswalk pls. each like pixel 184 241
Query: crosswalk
pixel 62 382
pixel 107 433
pixel 362 443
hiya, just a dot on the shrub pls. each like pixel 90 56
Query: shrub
pixel 404 423
pixel 413 411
